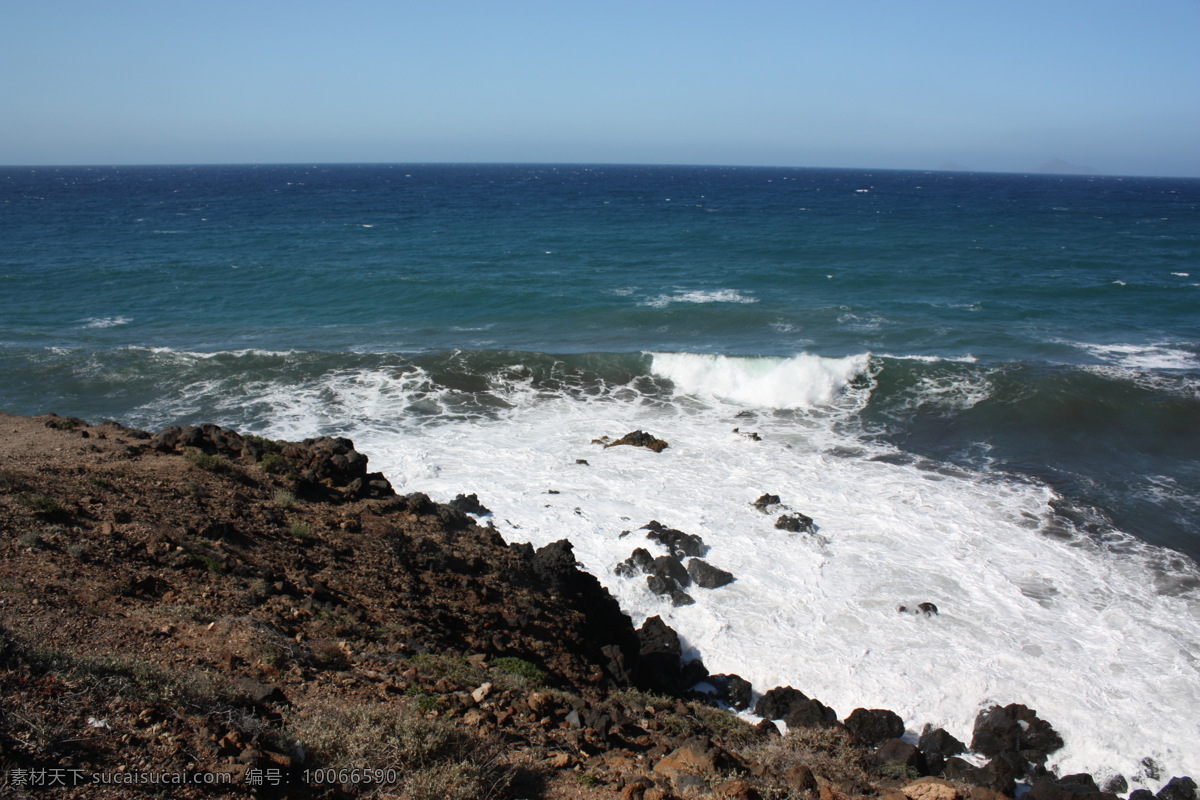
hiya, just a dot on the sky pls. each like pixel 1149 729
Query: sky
pixel 896 84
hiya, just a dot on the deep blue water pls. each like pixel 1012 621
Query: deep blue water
pixel 1056 318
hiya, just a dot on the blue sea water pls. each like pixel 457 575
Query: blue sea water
pixel 985 388
pixel 1074 299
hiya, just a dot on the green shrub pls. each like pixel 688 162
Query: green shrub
pixel 214 464
pixel 283 498
pixel 301 530
pixel 45 507
pixel 273 464
pixel 519 668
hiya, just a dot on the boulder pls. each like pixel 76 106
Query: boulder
pixel 870 726
pixel 765 502
pixel 795 523
pixel 640 439
pixel 776 703
pixel 1070 787
pixel 707 576
pixel 811 714
pixel 1178 789
pixel 931 789
pixel 1015 730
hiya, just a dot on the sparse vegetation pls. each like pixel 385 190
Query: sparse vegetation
pixel 273 464
pixel 528 674
pixel 301 530
pixel 45 507
pixel 431 758
pixel 283 498
pixel 209 463
pixel 829 752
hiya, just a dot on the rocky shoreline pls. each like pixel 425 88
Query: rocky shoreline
pixel 272 619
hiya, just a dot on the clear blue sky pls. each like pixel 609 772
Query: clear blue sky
pixel 858 83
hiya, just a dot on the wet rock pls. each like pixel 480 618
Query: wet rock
pixel 1178 789
pixel 469 504
pixel 795 523
pixel 870 726
pixel 671 568
pixel 765 502
pixel 1015 730
pixel 679 544
pixel 732 689
pixel 928 609
pixel 1000 774
pixel 707 576
pixel 640 439
pixel 639 562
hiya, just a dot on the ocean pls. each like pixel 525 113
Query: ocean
pixel 983 388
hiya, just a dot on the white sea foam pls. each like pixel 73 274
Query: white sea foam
pixel 802 381
pixel 1161 355
pixel 106 322
pixel 1072 629
pixel 717 296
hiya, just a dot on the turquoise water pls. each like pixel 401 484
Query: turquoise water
pixel 1055 319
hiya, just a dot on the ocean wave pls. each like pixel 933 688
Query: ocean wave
pixel 803 381
pixel 715 296
pixel 106 322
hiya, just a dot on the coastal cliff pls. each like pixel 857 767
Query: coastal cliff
pixel 201 613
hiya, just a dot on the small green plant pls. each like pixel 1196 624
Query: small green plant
pixel 45 507
pixel 283 498
pixel 301 530
pixel 63 423
pixel 273 464
pixel 80 551
pixel 31 540
pixel 209 463
pixel 519 668
pixel 587 779
pixel 900 772
pixel 209 563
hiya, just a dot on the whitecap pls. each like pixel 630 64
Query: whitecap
pixel 106 322
pixel 715 296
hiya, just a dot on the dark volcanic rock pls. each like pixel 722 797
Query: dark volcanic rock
pixel 640 439
pixel 670 567
pixel 732 689
pixel 639 562
pixel 1070 787
pixel 795 523
pixel 811 714
pixel 765 502
pixel 1178 789
pixel 658 656
pixel 870 726
pixel 776 703
pixel 469 504
pixel 937 745
pixel 679 544
pixel 707 576
pixel 1016 730
pixel 1000 774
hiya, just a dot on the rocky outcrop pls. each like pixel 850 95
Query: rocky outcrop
pixel 639 439
pixel 707 576
pixel 1015 731
pixel 796 523
pixel 679 544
